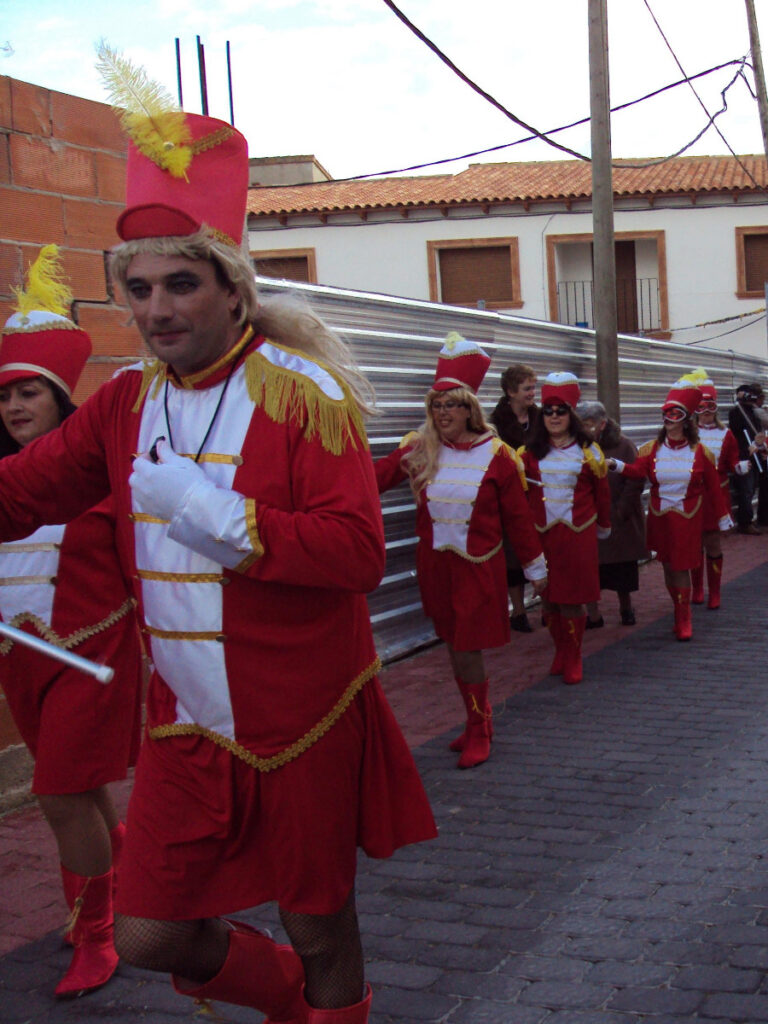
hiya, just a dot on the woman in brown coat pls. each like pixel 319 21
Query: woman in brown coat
pixel 620 552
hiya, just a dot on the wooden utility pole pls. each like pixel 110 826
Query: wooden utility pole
pixel 604 258
pixel 757 68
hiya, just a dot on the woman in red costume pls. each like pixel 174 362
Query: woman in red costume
pixel 571 504
pixel 63 583
pixel 724 447
pixel 681 472
pixel 469 490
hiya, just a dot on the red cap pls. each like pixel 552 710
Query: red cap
pixel 685 393
pixel 560 387
pixel 43 344
pixel 213 192
pixel 460 364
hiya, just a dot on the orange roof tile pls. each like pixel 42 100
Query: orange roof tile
pixel 512 182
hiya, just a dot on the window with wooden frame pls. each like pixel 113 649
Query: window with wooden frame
pixel 287 264
pixel 482 272
pixel 751 262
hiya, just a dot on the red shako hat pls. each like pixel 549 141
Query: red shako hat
pixel 460 364
pixel 560 387
pixel 211 194
pixel 708 390
pixel 686 393
pixel 39 340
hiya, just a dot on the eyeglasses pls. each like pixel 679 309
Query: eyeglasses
pixel 555 410
pixel 449 405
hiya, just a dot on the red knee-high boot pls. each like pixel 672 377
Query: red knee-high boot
pixel 459 743
pixel 572 632
pixel 257 973
pixel 477 743
pixel 355 1014
pixel 681 596
pixel 714 579
pixel 554 624
pixel 116 839
pixel 91 925
pixel 697 584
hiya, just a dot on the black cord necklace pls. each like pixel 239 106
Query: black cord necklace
pixel 213 418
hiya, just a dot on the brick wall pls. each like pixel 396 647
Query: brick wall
pixel 62 180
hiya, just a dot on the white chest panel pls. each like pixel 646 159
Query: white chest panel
pixel 451 495
pixel 188 601
pixel 713 439
pixel 673 472
pixel 28 569
pixel 560 471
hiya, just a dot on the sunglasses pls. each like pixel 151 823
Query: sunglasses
pixel 673 415
pixel 555 410
pixel 449 405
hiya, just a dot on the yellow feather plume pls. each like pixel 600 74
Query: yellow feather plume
pixel 46 288
pixel 147 112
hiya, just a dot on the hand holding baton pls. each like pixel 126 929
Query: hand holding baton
pixel 754 454
pixel 103 673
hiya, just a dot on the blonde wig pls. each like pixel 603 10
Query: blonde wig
pixel 421 462
pixel 287 319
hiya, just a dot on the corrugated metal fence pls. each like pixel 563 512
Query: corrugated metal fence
pixel 396 342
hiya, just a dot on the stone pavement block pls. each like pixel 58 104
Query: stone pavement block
pixel 547 968
pixel 565 994
pixel 733 1007
pixel 718 979
pixel 639 974
pixel 496 985
pixel 656 1001
pixel 483 1011
pixel 749 956
pixel 402 1005
pixel 408 976
pixel 440 931
pixel 22 1007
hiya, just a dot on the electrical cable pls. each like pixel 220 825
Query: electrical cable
pixel 699 99
pixel 724 334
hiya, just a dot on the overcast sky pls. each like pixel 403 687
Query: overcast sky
pixel 347 81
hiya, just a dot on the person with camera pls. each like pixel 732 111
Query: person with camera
pixel 745 424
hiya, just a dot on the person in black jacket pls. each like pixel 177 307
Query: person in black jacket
pixel 515 418
pixel 745 423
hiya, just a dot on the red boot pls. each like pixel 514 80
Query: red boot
pixel 697 584
pixel 554 624
pixel 94 960
pixel 477 745
pixel 356 1014
pixel 257 973
pixel 460 742
pixel 681 597
pixel 714 579
pixel 572 634
pixel 117 841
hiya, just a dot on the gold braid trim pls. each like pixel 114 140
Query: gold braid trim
pixel 477 559
pixel 74 638
pixel 211 140
pixel 153 370
pixel 74 913
pixel 576 529
pixel 289 753
pixel 685 515
pixel 253 535
pixel 290 395
pixel 49 325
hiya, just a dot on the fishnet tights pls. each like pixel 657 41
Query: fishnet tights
pixel 192 949
pixel 330 949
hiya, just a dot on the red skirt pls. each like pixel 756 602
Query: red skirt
pixel 209 835
pixel 572 564
pixel 81 733
pixel 467 601
pixel 711 521
pixel 676 539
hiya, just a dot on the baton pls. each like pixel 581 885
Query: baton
pixel 103 673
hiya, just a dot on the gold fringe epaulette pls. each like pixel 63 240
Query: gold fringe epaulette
pixel 153 370
pixel 287 395
pixel 594 458
pixel 500 447
pixel 409 438
pixel 709 453
pixel 646 448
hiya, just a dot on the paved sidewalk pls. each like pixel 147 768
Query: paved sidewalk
pixel 605 866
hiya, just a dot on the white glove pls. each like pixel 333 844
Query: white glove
pixel 603 532
pixel 743 467
pixel 159 489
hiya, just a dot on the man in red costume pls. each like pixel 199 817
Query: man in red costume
pixel 250 525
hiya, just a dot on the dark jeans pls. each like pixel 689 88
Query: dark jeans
pixel 743 491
